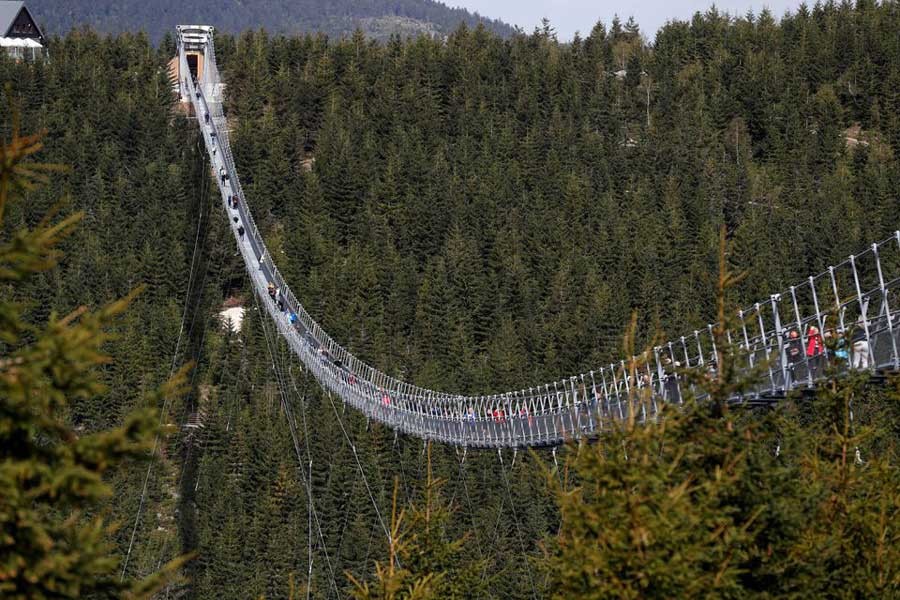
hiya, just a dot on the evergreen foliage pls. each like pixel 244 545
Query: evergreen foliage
pixel 422 563
pixel 475 214
pixel 486 196
pixel 707 502
pixel 52 474
pixel 450 199
pixel 138 183
pixel 730 507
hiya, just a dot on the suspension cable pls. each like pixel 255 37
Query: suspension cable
pixel 471 510
pixel 516 519
pixel 496 535
pixel 167 398
pixel 289 416
pixel 204 434
pixel 304 405
pixel 304 402
pixel 285 404
pixel 403 482
pixel 359 465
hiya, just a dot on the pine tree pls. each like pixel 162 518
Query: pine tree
pixel 51 474
pixel 422 563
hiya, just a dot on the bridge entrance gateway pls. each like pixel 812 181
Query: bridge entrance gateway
pixel 786 332
pixel 193 39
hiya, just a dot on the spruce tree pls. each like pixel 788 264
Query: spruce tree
pixel 52 474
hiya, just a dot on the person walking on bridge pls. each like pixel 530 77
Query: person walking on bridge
pixel 815 347
pixel 860 346
pixel 794 351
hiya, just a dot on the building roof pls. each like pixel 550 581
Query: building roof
pixel 9 10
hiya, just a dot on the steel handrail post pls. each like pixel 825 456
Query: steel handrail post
pixel 863 310
pixel 887 308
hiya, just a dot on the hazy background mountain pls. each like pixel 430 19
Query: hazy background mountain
pixel 377 18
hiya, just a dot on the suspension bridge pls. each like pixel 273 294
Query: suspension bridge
pixel 782 337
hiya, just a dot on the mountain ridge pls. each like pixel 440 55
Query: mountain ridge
pixel 336 18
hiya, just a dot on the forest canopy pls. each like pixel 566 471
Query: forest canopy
pixel 470 214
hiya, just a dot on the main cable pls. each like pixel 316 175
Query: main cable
pixel 285 405
pixel 203 438
pixel 167 398
pixel 361 470
pixel 516 520
pixel 462 479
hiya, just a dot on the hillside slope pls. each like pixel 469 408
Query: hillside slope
pixel 468 215
pixel 378 18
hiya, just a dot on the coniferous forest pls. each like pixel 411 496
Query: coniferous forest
pixel 471 214
pixel 334 18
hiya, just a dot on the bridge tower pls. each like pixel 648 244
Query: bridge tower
pixel 195 39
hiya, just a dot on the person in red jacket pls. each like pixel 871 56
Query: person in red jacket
pixel 815 346
pixel 814 343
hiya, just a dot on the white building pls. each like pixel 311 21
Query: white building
pixel 20 36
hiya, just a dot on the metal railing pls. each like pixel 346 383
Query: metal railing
pixel 784 336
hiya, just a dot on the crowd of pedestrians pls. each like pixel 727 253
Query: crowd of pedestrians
pixel 814 354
